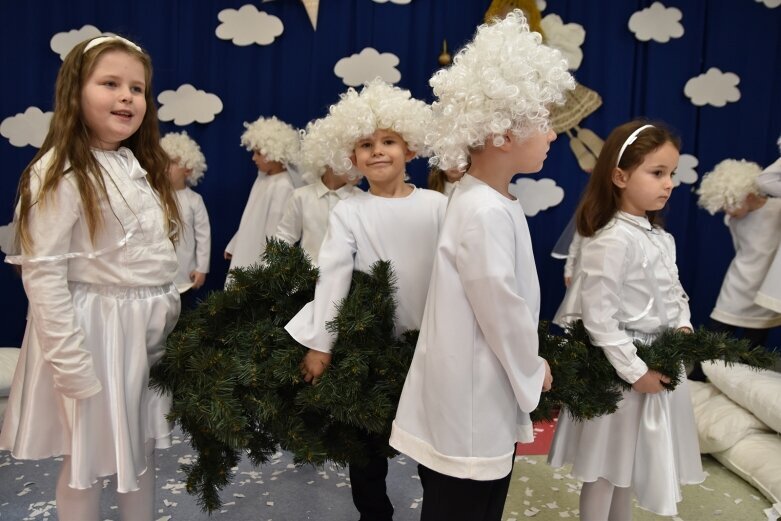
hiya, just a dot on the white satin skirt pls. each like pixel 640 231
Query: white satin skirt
pixel 125 331
pixel 650 444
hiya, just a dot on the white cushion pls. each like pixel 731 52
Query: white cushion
pixel 757 459
pixel 8 358
pixel 721 423
pixel 757 391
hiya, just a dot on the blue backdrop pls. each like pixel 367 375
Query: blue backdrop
pixel 293 79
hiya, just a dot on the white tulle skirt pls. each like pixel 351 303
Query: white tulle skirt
pixel 125 330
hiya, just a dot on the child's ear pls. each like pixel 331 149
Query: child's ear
pixel 409 155
pixel 619 178
pixel 352 159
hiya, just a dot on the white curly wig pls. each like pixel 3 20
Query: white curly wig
pixel 273 138
pixel 378 106
pixel 180 146
pixel 503 80
pixel 726 187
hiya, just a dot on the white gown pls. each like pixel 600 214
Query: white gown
pixel 194 246
pixel 626 288
pixel 769 293
pixel 98 318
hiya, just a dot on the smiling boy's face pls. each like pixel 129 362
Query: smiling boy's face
pixel 382 157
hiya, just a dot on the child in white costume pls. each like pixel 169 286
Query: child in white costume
pixel 273 144
pixel 754 222
pixel 185 170
pixel 379 131
pixel 627 289
pixel 96 217
pixel 476 374
pixel 306 215
pixel 769 293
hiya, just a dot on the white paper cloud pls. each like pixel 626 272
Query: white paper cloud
pixel 565 37
pixel 7 233
pixel 770 3
pixel 187 104
pixel 713 88
pixel 62 43
pixel 28 128
pixel 658 23
pixel 536 196
pixel 541 5
pixel 248 25
pixel 400 2
pixel 368 64
pixel 686 173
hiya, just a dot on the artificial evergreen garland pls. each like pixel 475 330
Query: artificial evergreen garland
pixel 233 371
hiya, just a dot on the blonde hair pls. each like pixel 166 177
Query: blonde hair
pixel 180 146
pixel 69 140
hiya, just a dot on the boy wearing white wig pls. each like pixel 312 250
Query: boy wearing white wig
pixel 274 144
pixel 186 169
pixel 306 216
pixel 378 131
pixel 476 374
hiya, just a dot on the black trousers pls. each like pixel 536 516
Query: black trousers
pixel 368 484
pixel 446 498
pixel 757 337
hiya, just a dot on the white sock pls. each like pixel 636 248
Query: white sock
pixel 139 505
pixel 76 504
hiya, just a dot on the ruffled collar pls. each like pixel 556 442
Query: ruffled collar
pixel 640 221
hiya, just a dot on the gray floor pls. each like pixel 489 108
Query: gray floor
pixel 277 491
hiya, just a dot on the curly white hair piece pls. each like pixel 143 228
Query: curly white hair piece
pixel 378 106
pixel 273 138
pixel 184 150
pixel 728 185
pixel 502 81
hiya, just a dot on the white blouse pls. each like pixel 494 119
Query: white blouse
pixel 769 181
pixel 195 239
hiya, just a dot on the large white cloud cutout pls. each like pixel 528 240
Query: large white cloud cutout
pixel 400 2
pixel 62 43
pixel 27 128
pixel 658 23
pixel 686 172
pixel 187 104
pixel 248 25
pixel 770 3
pixel 7 236
pixel 565 37
pixel 536 196
pixel 713 88
pixel 365 66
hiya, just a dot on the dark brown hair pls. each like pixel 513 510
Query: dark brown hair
pixel 602 198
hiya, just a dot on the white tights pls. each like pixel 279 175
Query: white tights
pixel 84 505
pixel 600 500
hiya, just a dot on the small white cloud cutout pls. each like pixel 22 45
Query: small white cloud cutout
pixel 248 25
pixel 400 2
pixel 187 104
pixel 686 172
pixel 541 5
pixel 7 233
pixel 28 128
pixel 772 4
pixel 658 23
pixel 536 196
pixel 365 66
pixel 62 43
pixel 565 37
pixel 713 88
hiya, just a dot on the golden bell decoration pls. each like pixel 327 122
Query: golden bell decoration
pixel 444 58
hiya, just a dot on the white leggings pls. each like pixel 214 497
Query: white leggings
pixel 84 505
pixel 600 500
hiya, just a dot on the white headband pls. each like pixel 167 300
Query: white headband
pixel 631 139
pixel 101 39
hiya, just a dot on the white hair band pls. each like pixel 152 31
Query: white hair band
pixel 101 39
pixel 631 139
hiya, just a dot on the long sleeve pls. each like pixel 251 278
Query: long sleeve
pixel 573 254
pixel 277 204
pixel 486 263
pixel 203 235
pixel 684 318
pixel 769 181
pixel 291 225
pixel 45 279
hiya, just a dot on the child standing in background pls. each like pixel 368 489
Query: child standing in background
pixel 378 131
pixel 476 373
pixel 444 181
pixel 186 169
pixel 626 288
pixel 274 144
pixel 96 219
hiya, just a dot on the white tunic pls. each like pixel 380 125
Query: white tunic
pixel 98 318
pixel 627 288
pixel 769 293
pixel 260 219
pixel 195 239
pixel 756 238
pixel 362 230
pixel 306 215
pixel 769 181
pixel 475 374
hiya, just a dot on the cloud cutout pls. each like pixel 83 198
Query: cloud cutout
pixel 7 236
pixel 686 173
pixel 62 43
pixel 713 88
pixel 359 68
pixel 770 3
pixel 399 2
pixel 565 37
pixel 187 104
pixel 658 23
pixel 248 25
pixel 536 196
pixel 28 128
